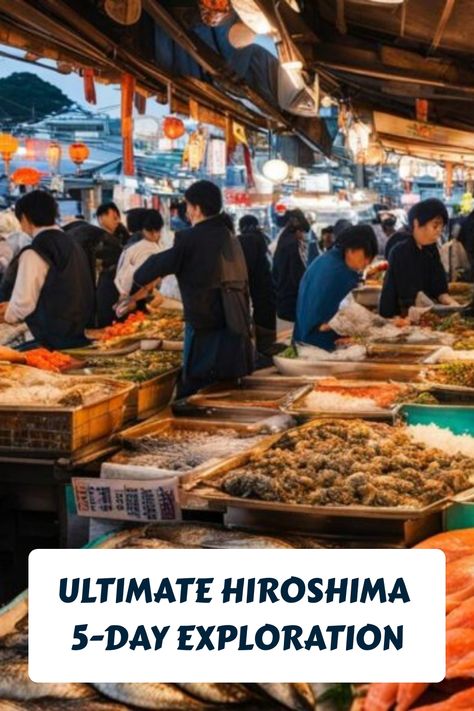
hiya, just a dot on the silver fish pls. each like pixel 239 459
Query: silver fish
pixel 113 540
pixel 135 542
pixel 162 697
pixel 298 697
pixel 16 684
pixel 12 613
pixel 18 637
pixel 212 537
pixel 51 704
pixel 219 693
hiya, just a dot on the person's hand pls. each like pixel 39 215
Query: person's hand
pixel 325 327
pixel 448 300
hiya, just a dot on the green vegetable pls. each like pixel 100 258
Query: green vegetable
pixel 340 695
pixel 289 352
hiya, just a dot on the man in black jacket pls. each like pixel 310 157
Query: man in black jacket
pixel 210 267
pixel 414 263
pixel 53 290
pixel 262 292
pixel 115 238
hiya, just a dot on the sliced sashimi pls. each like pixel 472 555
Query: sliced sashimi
pixel 460 576
pixel 463 701
pixel 380 697
pixel 408 694
pixel 462 616
pixel 455 544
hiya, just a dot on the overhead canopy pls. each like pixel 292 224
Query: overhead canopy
pixel 385 56
pixel 168 45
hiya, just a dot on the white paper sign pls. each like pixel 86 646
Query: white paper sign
pixel 128 499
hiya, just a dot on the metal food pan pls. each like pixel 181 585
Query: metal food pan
pixel 232 398
pixel 297 409
pixel 362 370
pixel 60 431
pixel 202 487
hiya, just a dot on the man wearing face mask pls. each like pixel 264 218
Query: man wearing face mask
pixel 212 275
pixel 414 263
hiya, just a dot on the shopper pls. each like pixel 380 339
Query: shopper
pixel 53 291
pixel 327 239
pixel 135 220
pixel 89 237
pixel 136 254
pixel 289 264
pixel 262 293
pixel 210 266
pixel 327 282
pixel 115 239
pixel 414 263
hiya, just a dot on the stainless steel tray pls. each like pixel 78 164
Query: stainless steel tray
pixel 201 487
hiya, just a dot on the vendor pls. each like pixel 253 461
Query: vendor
pixel 115 238
pixel 327 282
pixel 204 258
pixel 53 290
pixel 289 263
pixel 414 263
pixel 147 243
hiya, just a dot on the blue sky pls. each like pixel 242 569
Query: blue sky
pixel 108 97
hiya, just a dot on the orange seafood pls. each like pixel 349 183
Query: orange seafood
pixel 380 697
pixel 463 701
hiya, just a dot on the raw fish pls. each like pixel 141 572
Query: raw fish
pixel 464 701
pixel 381 697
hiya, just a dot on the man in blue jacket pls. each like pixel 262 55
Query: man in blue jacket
pixel 327 281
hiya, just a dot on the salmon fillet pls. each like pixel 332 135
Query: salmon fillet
pixel 455 544
pixel 464 701
pixel 462 616
pixel 381 697
pixel 408 694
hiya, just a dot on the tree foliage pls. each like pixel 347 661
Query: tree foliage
pixel 24 97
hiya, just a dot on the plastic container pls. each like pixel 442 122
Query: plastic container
pixel 458 419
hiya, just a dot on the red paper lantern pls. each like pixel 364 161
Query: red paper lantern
pixel 26 176
pixel 173 128
pixel 78 153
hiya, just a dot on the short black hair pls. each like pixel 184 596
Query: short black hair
pixel 341 226
pixel 329 230
pixel 358 237
pixel 205 195
pixel 248 223
pixel 228 221
pixel 79 216
pixel 135 218
pixel 39 207
pixel 389 221
pixel 297 221
pixel 153 221
pixel 427 210
pixel 106 207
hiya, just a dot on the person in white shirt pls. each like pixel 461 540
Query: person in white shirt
pixel 134 256
pixel 52 292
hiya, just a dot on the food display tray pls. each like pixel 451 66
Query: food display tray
pixel 222 398
pixel 157 427
pixel 150 396
pixel 59 431
pixel 459 419
pixel 296 408
pixel 405 522
pixel 364 370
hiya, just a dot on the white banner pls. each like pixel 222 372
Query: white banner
pixel 237 616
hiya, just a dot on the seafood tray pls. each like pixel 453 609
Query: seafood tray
pixel 168 426
pixel 297 408
pixel 363 370
pixel 151 396
pixel 245 397
pixel 61 430
pixel 403 522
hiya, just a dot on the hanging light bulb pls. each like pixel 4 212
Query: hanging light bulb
pixel 275 170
